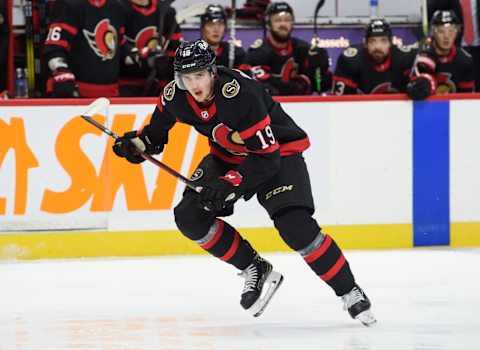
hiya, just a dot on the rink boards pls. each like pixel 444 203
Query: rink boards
pixel 385 173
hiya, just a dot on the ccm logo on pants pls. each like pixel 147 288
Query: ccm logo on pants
pixel 278 190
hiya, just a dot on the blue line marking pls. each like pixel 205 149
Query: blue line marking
pixel 431 174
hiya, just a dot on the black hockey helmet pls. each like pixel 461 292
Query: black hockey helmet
pixel 378 27
pixel 277 7
pixel 213 13
pixel 191 57
pixel 444 17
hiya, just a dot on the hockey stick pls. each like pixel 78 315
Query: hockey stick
pixel 425 17
pixel 190 11
pixel 231 45
pixel 99 105
pixel 318 73
pixel 30 53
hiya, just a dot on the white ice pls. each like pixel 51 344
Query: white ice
pixel 424 299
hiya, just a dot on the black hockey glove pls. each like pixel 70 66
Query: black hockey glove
pixel 64 84
pixel 219 193
pixel 298 85
pixel 132 143
pixel 318 58
pixel 421 86
pixel 145 57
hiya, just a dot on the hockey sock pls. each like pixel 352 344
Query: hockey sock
pixel 327 260
pixel 224 242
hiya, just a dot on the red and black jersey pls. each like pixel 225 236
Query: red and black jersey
pixel 222 55
pixel 4 29
pixel 88 34
pixel 356 73
pixel 277 66
pixel 142 30
pixel 453 73
pixel 244 125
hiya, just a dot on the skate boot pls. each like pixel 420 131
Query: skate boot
pixel 358 306
pixel 261 283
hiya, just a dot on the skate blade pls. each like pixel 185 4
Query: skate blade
pixel 367 318
pixel 271 285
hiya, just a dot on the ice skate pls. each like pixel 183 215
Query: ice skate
pixel 358 306
pixel 261 283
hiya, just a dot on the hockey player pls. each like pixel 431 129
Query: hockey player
pixel 284 64
pixel 441 66
pixel 255 149
pixel 376 67
pixel 213 24
pixel 4 31
pixel 149 50
pixel 82 48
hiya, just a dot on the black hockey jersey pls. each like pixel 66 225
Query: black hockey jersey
pixel 222 55
pixel 453 73
pixel 88 34
pixel 142 30
pixel 356 73
pixel 244 125
pixel 277 66
pixel 4 29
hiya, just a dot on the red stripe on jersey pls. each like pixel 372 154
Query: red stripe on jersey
pixel 426 62
pixel 136 81
pixel 216 236
pixel 294 147
pixel 319 252
pixel 266 73
pixel 202 113
pixel 245 134
pixel 62 43
pixel 233 249
pixel 334 270
pixel 244 67
pixel 226 158
pixel 346 81
pixel 160 103
pixel 382 67
pixel 143 10
pixel 71 29
pixel 97 90
pixel 97 3
pixel 279 51
pixel 176 36
pixel 466 84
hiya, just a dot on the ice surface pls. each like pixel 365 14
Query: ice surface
pixel 424 299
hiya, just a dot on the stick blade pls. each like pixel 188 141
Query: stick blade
pixel 96 107
pixel 190 11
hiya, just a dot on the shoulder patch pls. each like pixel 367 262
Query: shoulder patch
pixel 231 89
pixel 256 44
pixel 169 91
pixel 350 52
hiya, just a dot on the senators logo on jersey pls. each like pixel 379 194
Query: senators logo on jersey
pixel 229 140
pixel 444 83
pixel 103 41
pixel 384 88
pixel 147 37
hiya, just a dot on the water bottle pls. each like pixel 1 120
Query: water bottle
pixel 21 87
pixel 27 83
pixel 373 8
